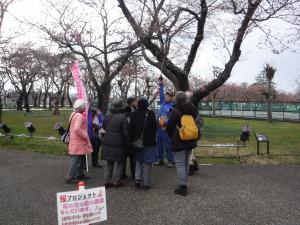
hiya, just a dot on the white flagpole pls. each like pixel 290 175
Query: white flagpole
pixel 86 162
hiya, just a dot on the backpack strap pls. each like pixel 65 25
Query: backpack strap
pixel 180 114
pixel 70 122
pixel 142 134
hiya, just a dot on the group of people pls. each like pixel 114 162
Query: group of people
pixel 132 131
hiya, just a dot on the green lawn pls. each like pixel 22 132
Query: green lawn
pixel 284 138
pixel 44 123
pixel 284 141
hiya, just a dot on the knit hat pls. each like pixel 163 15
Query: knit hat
pixel 130 100
pixel 118 103
pixel 79 104
pixel 189 96
pixel 143 103
pixel 180 97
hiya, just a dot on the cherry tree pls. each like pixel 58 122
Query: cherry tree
pixel 172 32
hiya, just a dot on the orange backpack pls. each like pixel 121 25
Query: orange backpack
pixel 188 130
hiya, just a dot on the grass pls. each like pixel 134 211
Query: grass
pixel 284 138
pixel 44 123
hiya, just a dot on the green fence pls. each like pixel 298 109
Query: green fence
pixel 256 110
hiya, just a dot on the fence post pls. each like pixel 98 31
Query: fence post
pixel 242 105
pixel 238 150
pixel 299 110
pixel 283 111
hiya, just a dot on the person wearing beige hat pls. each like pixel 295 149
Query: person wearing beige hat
pixel 79 144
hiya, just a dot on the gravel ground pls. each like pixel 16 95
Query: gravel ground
pixel 218 194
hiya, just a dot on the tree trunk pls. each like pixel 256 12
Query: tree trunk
pixel 45 100
pixel 26 100
pixel 104 96
pixel 39 99
pixel 35 99
pixel 269 101
pixel 20 102
pixel 63 98
pixel 50 102
pixel 56 103
pixel 68 96
pixel 0 107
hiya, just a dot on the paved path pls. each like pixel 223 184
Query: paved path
pixel 218 194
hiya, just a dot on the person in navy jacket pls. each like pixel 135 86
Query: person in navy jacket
pixel 94 124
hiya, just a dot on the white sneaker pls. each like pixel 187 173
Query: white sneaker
pixel 170 165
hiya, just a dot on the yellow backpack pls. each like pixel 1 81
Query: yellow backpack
pixel 188 130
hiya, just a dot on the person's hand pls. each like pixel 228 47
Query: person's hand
pixel 155 92
pixel 162 122
pixel 160 79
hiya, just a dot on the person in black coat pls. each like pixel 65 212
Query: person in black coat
pixel 131 107
pixel 116 142
pixel 143 122
pixel 181 149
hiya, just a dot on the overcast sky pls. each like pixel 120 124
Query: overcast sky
pixel 250 64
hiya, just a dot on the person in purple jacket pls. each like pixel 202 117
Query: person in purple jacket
pixel 94 124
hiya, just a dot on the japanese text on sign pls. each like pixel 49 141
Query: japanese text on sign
pixel 81 207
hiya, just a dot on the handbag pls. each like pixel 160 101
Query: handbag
pixel 66 136
pixel 139 143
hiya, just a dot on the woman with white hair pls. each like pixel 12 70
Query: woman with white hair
pixel 79 143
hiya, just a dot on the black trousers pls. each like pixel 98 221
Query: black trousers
pixel 96 143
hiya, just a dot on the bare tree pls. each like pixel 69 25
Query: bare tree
pixel 106 50
pixel 4 4
pixel 58 68
pixel 269 71
pixel 167 29
pixel 3 80
pixel 47 84
pixel 22 68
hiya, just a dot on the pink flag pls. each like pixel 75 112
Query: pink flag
pixel 81 91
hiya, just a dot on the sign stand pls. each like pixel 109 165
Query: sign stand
pixel 261 137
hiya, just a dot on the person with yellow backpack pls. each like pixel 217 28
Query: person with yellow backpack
pixel 184 134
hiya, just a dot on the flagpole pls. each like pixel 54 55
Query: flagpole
pixel 86 162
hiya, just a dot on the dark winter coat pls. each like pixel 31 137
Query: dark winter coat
pixel 137 121
pixel 176 143
pixel 116 141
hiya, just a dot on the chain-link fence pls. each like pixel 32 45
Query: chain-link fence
pixel 282 111
pixel 256 110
